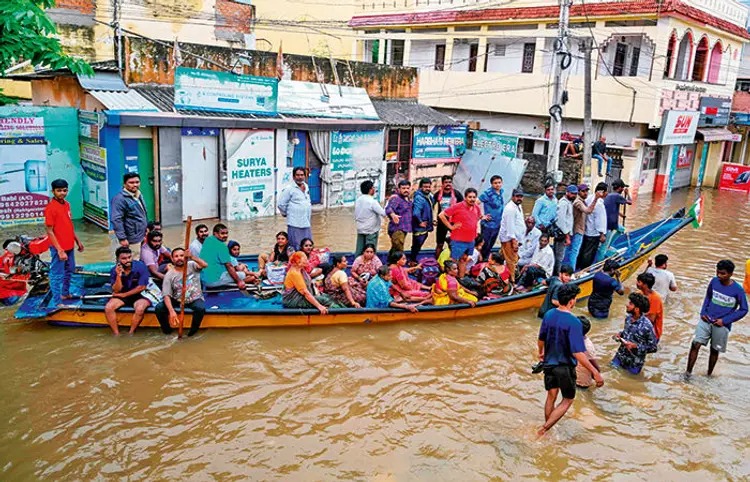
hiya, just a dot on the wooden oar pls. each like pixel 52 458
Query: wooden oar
pixel 188 226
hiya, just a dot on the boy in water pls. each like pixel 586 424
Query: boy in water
pixel 725 303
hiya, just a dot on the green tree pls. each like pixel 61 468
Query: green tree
pixel 26 33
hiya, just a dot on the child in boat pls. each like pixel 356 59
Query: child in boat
pixel 379 293
pixel 313 259
pixel 447 290
pixel 584 379
pixel 280 253
pixel 234 251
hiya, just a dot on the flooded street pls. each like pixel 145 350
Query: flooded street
pixel 434 401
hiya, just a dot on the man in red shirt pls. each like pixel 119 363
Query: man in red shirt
pixel 462 219
pixel 62 237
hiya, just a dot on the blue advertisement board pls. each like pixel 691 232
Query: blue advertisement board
pixel 438 144
pixel 208 90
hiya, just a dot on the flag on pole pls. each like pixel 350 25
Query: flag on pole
pixel 696 211
pixel 280 63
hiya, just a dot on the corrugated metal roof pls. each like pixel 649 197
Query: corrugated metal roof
pixel 410 113
pixel 109 81
pixel 102 66
pixel 124 101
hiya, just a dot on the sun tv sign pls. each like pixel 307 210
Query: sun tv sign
pixel 678 127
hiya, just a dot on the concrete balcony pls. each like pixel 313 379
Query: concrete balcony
pixel 530 94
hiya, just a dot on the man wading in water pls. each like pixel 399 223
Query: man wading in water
pixel 561 348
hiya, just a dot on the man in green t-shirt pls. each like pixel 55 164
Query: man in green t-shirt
pixel 215 253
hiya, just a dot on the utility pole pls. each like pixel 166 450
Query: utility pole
pixel 561 55
pixel 587 45
pixel 117 24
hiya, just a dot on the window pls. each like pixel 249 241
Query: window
pixel 621 52
pixel 714 67
pixel 634 59
pixel 473 54
pixel 701 57
pixel 500 50
pixel 397 52
pixel 670 54
pixel 399 141
pixel 527 65
pixel 440 57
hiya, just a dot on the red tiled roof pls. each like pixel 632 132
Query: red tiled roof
pixel 741 102
pixel 669 8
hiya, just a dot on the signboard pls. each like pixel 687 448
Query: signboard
pixel 196 89
pixel 740 118
pixel 94 184
pixel 356 156
pixel 325 100
pixel 500 144
pixel 89 126
pixel 435 144
pixel 735 177
pixel 714 111
pixel 250 173
pixel 678 127
pixel 23 170
pixel 686 156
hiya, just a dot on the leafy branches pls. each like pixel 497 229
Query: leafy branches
pixel 27 34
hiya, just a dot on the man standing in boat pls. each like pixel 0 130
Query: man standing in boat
pixel 423 221
pixel 512 232
pixel 493 203
pixel 399 212
pixel 368 216
pixel 296 207
pixel 129 216
pixel 172 291
pixel 445 198
pixel 563 230
pixel 580 212
pixel 462 219
pixel 725 303
pixel 63 239
pixel 561 349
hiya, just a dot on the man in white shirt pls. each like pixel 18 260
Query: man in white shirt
pixel 368 215
pixel 564 224
pixel 530 242
pixel 596 228
pixel 201 233
pixel 512 230
pixel 540 267
pixel 664 279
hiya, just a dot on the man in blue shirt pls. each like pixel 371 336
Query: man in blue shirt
pixel 638 338
pixel 545 208
pixel 561 348
pixel 423 221
pixel 618 197
pixel 725 303
pixel 492 200
pixel 605 285
pixel 129 280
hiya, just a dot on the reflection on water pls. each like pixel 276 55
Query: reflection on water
pixel 437 401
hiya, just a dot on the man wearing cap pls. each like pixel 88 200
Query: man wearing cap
pixel 564 224
pixel 62 238
pixel 512 232
pixel 619 196
pixel 596 228
pixel 580 212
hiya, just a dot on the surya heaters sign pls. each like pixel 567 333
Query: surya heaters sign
pixel 678 127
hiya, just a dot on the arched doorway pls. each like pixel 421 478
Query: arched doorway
pixel 671 47
pixel 714 66
pixel 684 53
pixel 701 60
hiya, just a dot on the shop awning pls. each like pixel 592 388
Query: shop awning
pixel 645 140
pixel 128 101
pixel 715 134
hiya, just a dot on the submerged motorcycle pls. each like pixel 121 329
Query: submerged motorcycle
pixel 21 267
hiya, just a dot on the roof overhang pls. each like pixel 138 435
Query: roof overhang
pixel 716 134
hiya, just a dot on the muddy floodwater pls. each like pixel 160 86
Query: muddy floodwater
pixel 432 401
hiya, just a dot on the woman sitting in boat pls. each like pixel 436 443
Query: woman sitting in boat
pixel 337 286
pixel 313 260
pixel 365 267
pixel 494 277
pixel 409 289
pixel 234 252
pixel 448 291
pixel 379 293
pixel 298 288
pixel 281 252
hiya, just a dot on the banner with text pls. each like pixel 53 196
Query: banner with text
pixel 503 145
pixel 23 170
pixel 735 177
pixel 94 184
pixel 250 173
pixel 435 144
pixel 197 89
pixel 356 156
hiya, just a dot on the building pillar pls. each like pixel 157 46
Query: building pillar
pixel 449 49
pixel 407 48
pixel 482 52
pixel 382 46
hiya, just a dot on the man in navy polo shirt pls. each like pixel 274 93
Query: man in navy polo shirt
pixel 561 348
